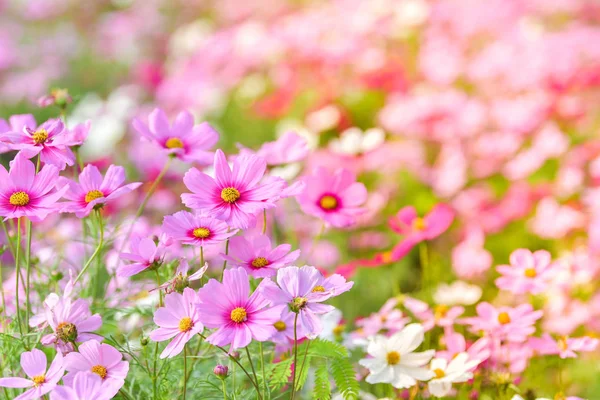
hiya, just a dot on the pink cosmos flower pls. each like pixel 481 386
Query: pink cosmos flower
pixel 99 358
pixel 257 257
pixel 49 140
pixel 416 229
pixel 505 323
pixel 388 318
pixel 78 134
pixel 23 193
pixel 335 198
pixel 197 230
pixel 87 386
pixel 527 273
pixel 234 196
pixel 71 322
pixel 93 190
pixel 564 346
pixel 181 139
pixel 289 148
pixel 42 381
pixel 284 328
pixel 456 344
pixel 144 253
pixel 440 315
pixel 179 320
pixel 299 289
pixel 60 97
pixel 238 316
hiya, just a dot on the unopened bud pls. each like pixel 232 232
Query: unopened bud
pixel 221 371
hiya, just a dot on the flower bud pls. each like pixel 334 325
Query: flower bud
pixel 144 341
pixel 221 371
pixel 235 354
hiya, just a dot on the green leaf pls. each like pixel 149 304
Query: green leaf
pixel 345 378
pixel 281 373
pixel 327 349
pixel 322 389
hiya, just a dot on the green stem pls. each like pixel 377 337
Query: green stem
pixel 264 229
pixel 160 294
pixel 155 375
pixel 98 248
pixel 226 253
pixel 28 274
pixel 201 257
pixel 295 357
pixel 18 266
pixel 224 389
pixel 304 358
pixel 262 367
pixel 184 370
pixel 253 370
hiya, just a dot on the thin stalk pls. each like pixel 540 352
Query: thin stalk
pixel 201 257
pixel 3 300
pixel 304 358
pixel 262 367
pixel 295 357
pixel 224 389
pixel 424 258
pixel 155 375
pixel 225 262
pixel 160 294
pixel 253 370
pixel 18 266
pixel 184 370
pixel 264 230
pixel 28 274
pixel 98 248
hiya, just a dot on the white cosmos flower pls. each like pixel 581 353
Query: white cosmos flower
pixel 353 141
pixel 394 360
pixel 457 293
pixel 457 371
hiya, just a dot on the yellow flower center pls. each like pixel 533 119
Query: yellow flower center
pixel 38 380
pixel 185 324
pixel 393 358
pixel 40 136
pixel 238 315
pixel 440 311
pixel 93 195
pixel 260 262
pixel 419 224
pixel 338 330
pixel 562 343
pixel 318 289
pixel 530 273
pixel 66 331
pixel 280 326
pixel 99 370
pixel 19 199
pixel 174 143
pixel 202 233
pixel 298 303
pixel 230 194
pixel 386 257
pixel 504 318
pixel 328 202
pixel 439 373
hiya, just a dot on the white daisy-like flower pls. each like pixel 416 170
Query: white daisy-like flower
pixel 394 360
pixel 457 371
pixel 457 293
pixel 354 141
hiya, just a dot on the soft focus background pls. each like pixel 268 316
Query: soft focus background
pixel 491 106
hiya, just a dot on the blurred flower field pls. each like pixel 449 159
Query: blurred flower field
pixel 271 199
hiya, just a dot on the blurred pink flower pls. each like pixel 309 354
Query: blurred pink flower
pixel 42 380
pixel 564 346
pixel 527 273
pixel 289 148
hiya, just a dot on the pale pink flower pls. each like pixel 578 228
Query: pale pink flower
pixel 527 273
pixel 41 380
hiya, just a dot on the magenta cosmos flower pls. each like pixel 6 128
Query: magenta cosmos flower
pixel 87 386
pixel 238 316
pixel 49 140
pixel 145 254
pixel 71 322
pixel 416 229
pixel 182 139
pixel 178 320
pixel 93 190
pixel 198 230
pixel 527 273
pixel 234 196
pixel 41 380
pixel 301 291
pixel 563 346
pixel 23 193
pixel 257 257
pixel 505 323
pixel 336 198
pixel 99 358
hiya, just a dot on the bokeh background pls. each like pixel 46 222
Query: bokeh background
pixel 492 106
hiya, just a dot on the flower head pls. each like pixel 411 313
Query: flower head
pixel 394 360
pixel 197 230
pixel 257 257
pixel 179 320
pixel 87 385
pixel 145 254
pixel 181 139
pixel 527 273
pixel 238 316
pixel 93 190
pixel 335 198
pixel 41 380
pixel 23 193
pixel 59 97
pixel 458 370
pixel 181 280
pixel 234 195
pixel 564 346
pixel 99 358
